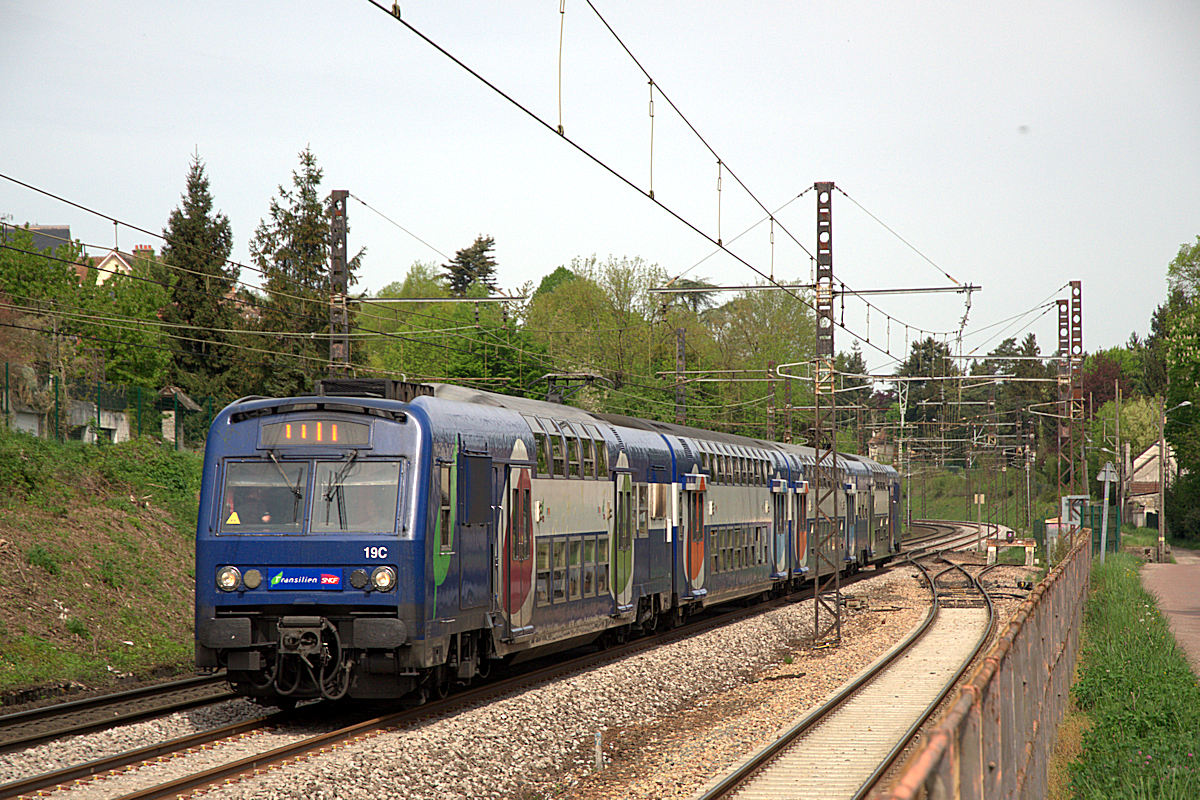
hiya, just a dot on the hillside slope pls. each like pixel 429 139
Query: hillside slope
pixel 96 560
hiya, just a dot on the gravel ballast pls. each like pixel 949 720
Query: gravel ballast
pixel 669 719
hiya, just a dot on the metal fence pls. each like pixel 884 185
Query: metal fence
pixel 998 736
pixel 46 405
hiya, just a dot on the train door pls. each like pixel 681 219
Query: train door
pixel 476 529
pixel 779 550
pixel 869 512
pixel 800 527
pixel 693 541
pixel 851 520
pixel 622 537
pixel 517 547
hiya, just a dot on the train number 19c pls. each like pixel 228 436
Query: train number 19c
pixel 375 552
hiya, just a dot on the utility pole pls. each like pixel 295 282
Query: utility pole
pixel 826 546
pixel 339 284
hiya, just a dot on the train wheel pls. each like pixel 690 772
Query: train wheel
pixel 440 682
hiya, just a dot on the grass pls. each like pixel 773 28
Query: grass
pixel 102 580
pixel 1138 693
pixel 938 494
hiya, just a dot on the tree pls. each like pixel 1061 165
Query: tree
pixel 1102 373
pixel 201 294
pixel 473 264
pixel 1183 273
pixel 291 248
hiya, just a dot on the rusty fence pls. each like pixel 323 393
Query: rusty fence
pixel 997 739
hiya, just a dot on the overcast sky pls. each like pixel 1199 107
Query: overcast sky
pixel 1016 145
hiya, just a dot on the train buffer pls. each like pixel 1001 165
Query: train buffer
pixel 994 546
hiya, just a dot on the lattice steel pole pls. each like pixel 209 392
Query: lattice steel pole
pixel 827 544
pixel 1064 393
pixel 771 400
pixel 339 284
pixel 1076 361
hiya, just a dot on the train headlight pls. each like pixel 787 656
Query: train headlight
pixel 252 579
pixel 359 579
pixel 228 578
pixel 383 579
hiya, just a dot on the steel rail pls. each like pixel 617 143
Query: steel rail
pixel 761 760
pixel 363 727
pixel 102 765
pixel 10 723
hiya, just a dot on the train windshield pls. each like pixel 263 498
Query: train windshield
pixel 356 496
pixel 263 497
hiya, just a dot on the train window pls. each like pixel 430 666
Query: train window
pixel 602 565
pixel 602 459
pixel 542 445
pixel 574 576
pixel 589 457
pixel 589 567
pixel 643 511
pixel 444 542
pixel 543 573
pixel 727 468
pixel 658 501
pixel 704 463
pixel 575 452
pixel 558 447
pixel 356 496
pixel 518 508
pixel 264 496
pixel 560 570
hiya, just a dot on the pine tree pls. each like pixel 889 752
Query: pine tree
pixel 198 244
pixel 291 247
pixel 473 264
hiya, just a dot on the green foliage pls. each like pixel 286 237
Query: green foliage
pixel 472 265
pixel 1183 273
pixel 455 342
pixel 78 628
pixel 44 557
pixel 198 244
pixel 1137 689
pixel 291 247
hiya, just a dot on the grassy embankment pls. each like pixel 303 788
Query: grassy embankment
pixel 940 494
pixel 1138 703
pixel 96 559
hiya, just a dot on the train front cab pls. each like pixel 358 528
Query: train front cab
pixel 301 572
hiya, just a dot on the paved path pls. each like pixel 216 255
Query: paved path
pixel 1177 587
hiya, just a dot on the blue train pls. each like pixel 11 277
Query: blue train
pixel 373 547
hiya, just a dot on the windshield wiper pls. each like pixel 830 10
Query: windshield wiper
pixel 335 483
pixel 286 480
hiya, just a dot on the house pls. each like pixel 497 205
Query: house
pixel 114 262
pixel 881 448
pixel 1143 484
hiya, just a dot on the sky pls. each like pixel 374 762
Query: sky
pixel 1014 146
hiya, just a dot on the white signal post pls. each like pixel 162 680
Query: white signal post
pixel 1109 476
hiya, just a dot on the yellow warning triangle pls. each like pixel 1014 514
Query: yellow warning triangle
pixel 233 519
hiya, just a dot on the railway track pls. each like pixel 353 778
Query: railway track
pixel 943 535
pixel 356 726
pixel 26 728
pixel 846 745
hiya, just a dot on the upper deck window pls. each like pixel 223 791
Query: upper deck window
pixel 263 497
pixel 356 496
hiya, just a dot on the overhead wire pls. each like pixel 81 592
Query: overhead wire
pixel 604 165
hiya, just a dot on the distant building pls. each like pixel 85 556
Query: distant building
pixel 881 448
pixel 115 262
pixel 1143 484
